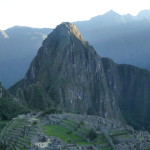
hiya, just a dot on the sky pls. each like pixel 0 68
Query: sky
pixel 49 13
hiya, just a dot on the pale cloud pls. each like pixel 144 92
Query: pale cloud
pixel 49 13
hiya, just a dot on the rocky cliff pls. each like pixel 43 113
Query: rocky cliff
pixel 68 74
pixel 130 86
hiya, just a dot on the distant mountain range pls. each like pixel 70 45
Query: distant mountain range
pixel 124 38
pixel 18 46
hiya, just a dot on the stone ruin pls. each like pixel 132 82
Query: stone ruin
pixel 27 135
pixel 120 135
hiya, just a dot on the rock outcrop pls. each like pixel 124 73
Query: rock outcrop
pixel 130 86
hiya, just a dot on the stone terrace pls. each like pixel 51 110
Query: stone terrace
pixel 17 134
pixel 119 135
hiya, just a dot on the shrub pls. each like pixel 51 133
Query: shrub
pixel 51 111
pixel 91 135
pixel 10 109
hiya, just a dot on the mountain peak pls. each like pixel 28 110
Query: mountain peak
pixel 69 74
pixel 69 28
pixel 111 12
pixel 144 14
pixel 146 11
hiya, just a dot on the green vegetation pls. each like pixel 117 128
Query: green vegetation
pixel 72 132
pixel 3 147
pixel 102 142
pixel 15 129
pixel 92 135
pixel 118 132
pixel 27 143
pixel 2 124
pixel 70 121
pixel 37 98
pixel 140 138
pixel 78 127
pixel 64 134
pixel 106 147
pixel 51 111
pixel 101 139
pixel 10 109
pixel 80 143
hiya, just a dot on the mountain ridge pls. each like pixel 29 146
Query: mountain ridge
pixel 124 39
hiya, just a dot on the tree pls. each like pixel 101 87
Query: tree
pixel 91 135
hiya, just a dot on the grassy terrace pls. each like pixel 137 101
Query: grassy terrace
pixel 72 134
pixel 70 121
pixel 2 124
pixel 14 134
pixel 64 134
pixel 118 132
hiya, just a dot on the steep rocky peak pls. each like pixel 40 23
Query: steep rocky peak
pixel 67 28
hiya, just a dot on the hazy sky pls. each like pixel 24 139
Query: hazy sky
pixel 49 13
